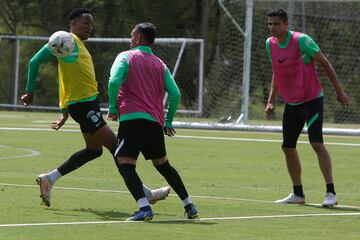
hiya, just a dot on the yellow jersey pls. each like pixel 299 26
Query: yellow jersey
pixel 77 79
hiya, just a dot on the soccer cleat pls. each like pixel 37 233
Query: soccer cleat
pixel 45 188
pixel 292 199
pixel 191 211
pixel 158 194
pixel 330 200
pixel 141 216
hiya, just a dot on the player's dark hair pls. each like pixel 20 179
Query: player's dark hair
pixel 278 13
pixel 148 30
pixel 77 12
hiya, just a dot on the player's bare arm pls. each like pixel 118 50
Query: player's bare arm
pixel 270 106
pixel 341 96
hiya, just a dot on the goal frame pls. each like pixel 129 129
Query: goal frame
pixel 181 41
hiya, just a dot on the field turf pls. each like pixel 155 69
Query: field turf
pixel 232 177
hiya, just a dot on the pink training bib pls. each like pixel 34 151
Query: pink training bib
pixel 144 88
pixel 295 80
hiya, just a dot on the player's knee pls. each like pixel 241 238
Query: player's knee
pixel 159 161
pixel 94 153
pixel 164 167
pixel 317 146
pixel 288 149
pixel 288 144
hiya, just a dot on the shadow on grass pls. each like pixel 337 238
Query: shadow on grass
pixel 120 216
pixel 182 221
pixel 105 215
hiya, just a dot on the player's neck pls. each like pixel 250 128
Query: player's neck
pixel 282 37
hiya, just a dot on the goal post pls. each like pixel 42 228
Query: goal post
pixel 183 56
pixel 232 93
pixel 332 24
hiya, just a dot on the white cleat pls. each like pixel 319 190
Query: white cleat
pixel 330 200
pixel 158 194
pixel 45 184
pixel 292 199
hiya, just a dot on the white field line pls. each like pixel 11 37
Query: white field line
pixel 182 220
pixel 196 137
pixel 127 192
pixel 262 140
pixel 49 121
pixel 14 174
pixel 172 195
pixel 37 129
pixel 32 153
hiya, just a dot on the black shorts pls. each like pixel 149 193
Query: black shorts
pixel 140 135
pixel 88 115
pixel 294 118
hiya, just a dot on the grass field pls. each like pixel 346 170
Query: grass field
pixel 233 178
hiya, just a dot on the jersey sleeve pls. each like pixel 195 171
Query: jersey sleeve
pixel 40 57
pixel 118 74
pixel 308 45
pixel 174 97
pixel 267 47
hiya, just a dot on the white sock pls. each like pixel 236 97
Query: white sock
pixel 186 201
pixel 143 202
pixel 147 191
pixel 54 175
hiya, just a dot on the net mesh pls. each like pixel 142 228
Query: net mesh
pixel 333 26
pixel 103 52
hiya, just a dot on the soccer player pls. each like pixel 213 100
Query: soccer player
pixel 78 97
pixel 138 81
pixel 293 55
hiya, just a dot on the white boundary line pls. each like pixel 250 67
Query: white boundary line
pixel 195 137
pixel 32 153
pixel 262 140
pixel 115 179
pixel 37 129
pixel 204 197
pixel 173 195
pixel 182 220
pixel 127 192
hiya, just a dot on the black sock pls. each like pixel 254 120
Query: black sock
pixel 298 190
pixel 330 188
pixel 132 180
pixel 78 159
pixel 173 178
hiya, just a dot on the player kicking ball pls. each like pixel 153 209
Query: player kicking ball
pixel 78 98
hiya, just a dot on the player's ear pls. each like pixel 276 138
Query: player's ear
pixel 286 23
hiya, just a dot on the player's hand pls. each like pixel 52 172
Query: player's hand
pixel 112 117
pixel 169 131
pixel 27 98
pixel 269 110
pixel 60 121
pixel 343 98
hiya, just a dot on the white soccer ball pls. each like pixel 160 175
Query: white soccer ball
pixel 61 44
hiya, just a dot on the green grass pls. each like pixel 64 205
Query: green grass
pixel 226 178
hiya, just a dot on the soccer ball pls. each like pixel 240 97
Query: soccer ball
pixel 61 44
